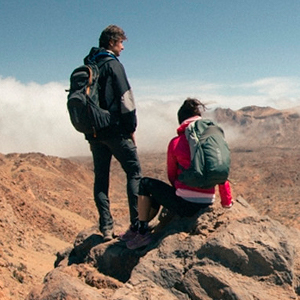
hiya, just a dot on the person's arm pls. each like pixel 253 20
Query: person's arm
pixel 225 195
pixel 124 93
pixel 172 164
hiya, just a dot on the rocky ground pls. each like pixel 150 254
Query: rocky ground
pixel 46 201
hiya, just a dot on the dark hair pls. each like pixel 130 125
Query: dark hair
pixel 191 107
pixel 111 32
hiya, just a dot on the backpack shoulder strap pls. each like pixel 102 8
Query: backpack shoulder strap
pixel 95 64
pixel 103 61
pixel 203 128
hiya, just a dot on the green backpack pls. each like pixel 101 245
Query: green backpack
pixel 210 155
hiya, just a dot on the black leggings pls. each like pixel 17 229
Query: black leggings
pixel 164 194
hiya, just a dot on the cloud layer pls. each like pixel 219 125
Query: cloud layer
pixel 34 117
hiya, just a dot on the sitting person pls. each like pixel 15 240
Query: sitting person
pixel 177 197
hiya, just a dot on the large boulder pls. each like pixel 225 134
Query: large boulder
pixel 217 254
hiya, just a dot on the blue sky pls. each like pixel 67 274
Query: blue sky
pixel 226 41
pixel 229 53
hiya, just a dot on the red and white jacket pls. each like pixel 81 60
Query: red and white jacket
pixel 179 154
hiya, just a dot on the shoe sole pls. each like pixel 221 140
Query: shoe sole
pixel 109 237
pixel 144 244
pixel 127 239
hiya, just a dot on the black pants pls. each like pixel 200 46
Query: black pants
pixel 124 150
pixel 164 194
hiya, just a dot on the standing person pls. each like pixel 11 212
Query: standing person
pixel 177 197
pixel 118 139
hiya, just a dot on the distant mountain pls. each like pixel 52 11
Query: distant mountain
pixel 255 126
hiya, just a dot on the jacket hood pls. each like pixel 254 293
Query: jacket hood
pixel 185 123
pixel 96 54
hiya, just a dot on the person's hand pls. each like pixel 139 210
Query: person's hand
pixel 228 206
pixel 132 137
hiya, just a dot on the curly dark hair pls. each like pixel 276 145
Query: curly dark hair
pixel 111 32
pixel 191 107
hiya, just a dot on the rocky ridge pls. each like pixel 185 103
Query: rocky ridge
pixel 232 254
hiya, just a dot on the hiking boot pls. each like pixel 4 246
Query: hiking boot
pixel 108 235
pixel 139 241
pixel 128 235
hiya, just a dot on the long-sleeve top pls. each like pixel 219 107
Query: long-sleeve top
pixel 179 154
pixel 115 93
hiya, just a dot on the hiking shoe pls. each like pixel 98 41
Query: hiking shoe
pixel 128 235
pixel 139 241
pixel 108 235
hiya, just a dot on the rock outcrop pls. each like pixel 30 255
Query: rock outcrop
pixel 262 126
pixel 218 254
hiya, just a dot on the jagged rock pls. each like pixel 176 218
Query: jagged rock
pixel 218 254
pixel 75 282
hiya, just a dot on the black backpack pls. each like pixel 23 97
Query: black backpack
pixel 85 113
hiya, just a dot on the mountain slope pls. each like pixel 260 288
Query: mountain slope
pixel 45 201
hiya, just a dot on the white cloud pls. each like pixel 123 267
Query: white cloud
pixel 277 87
pixel 34 117
pixel 278 92
pixel 157 123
